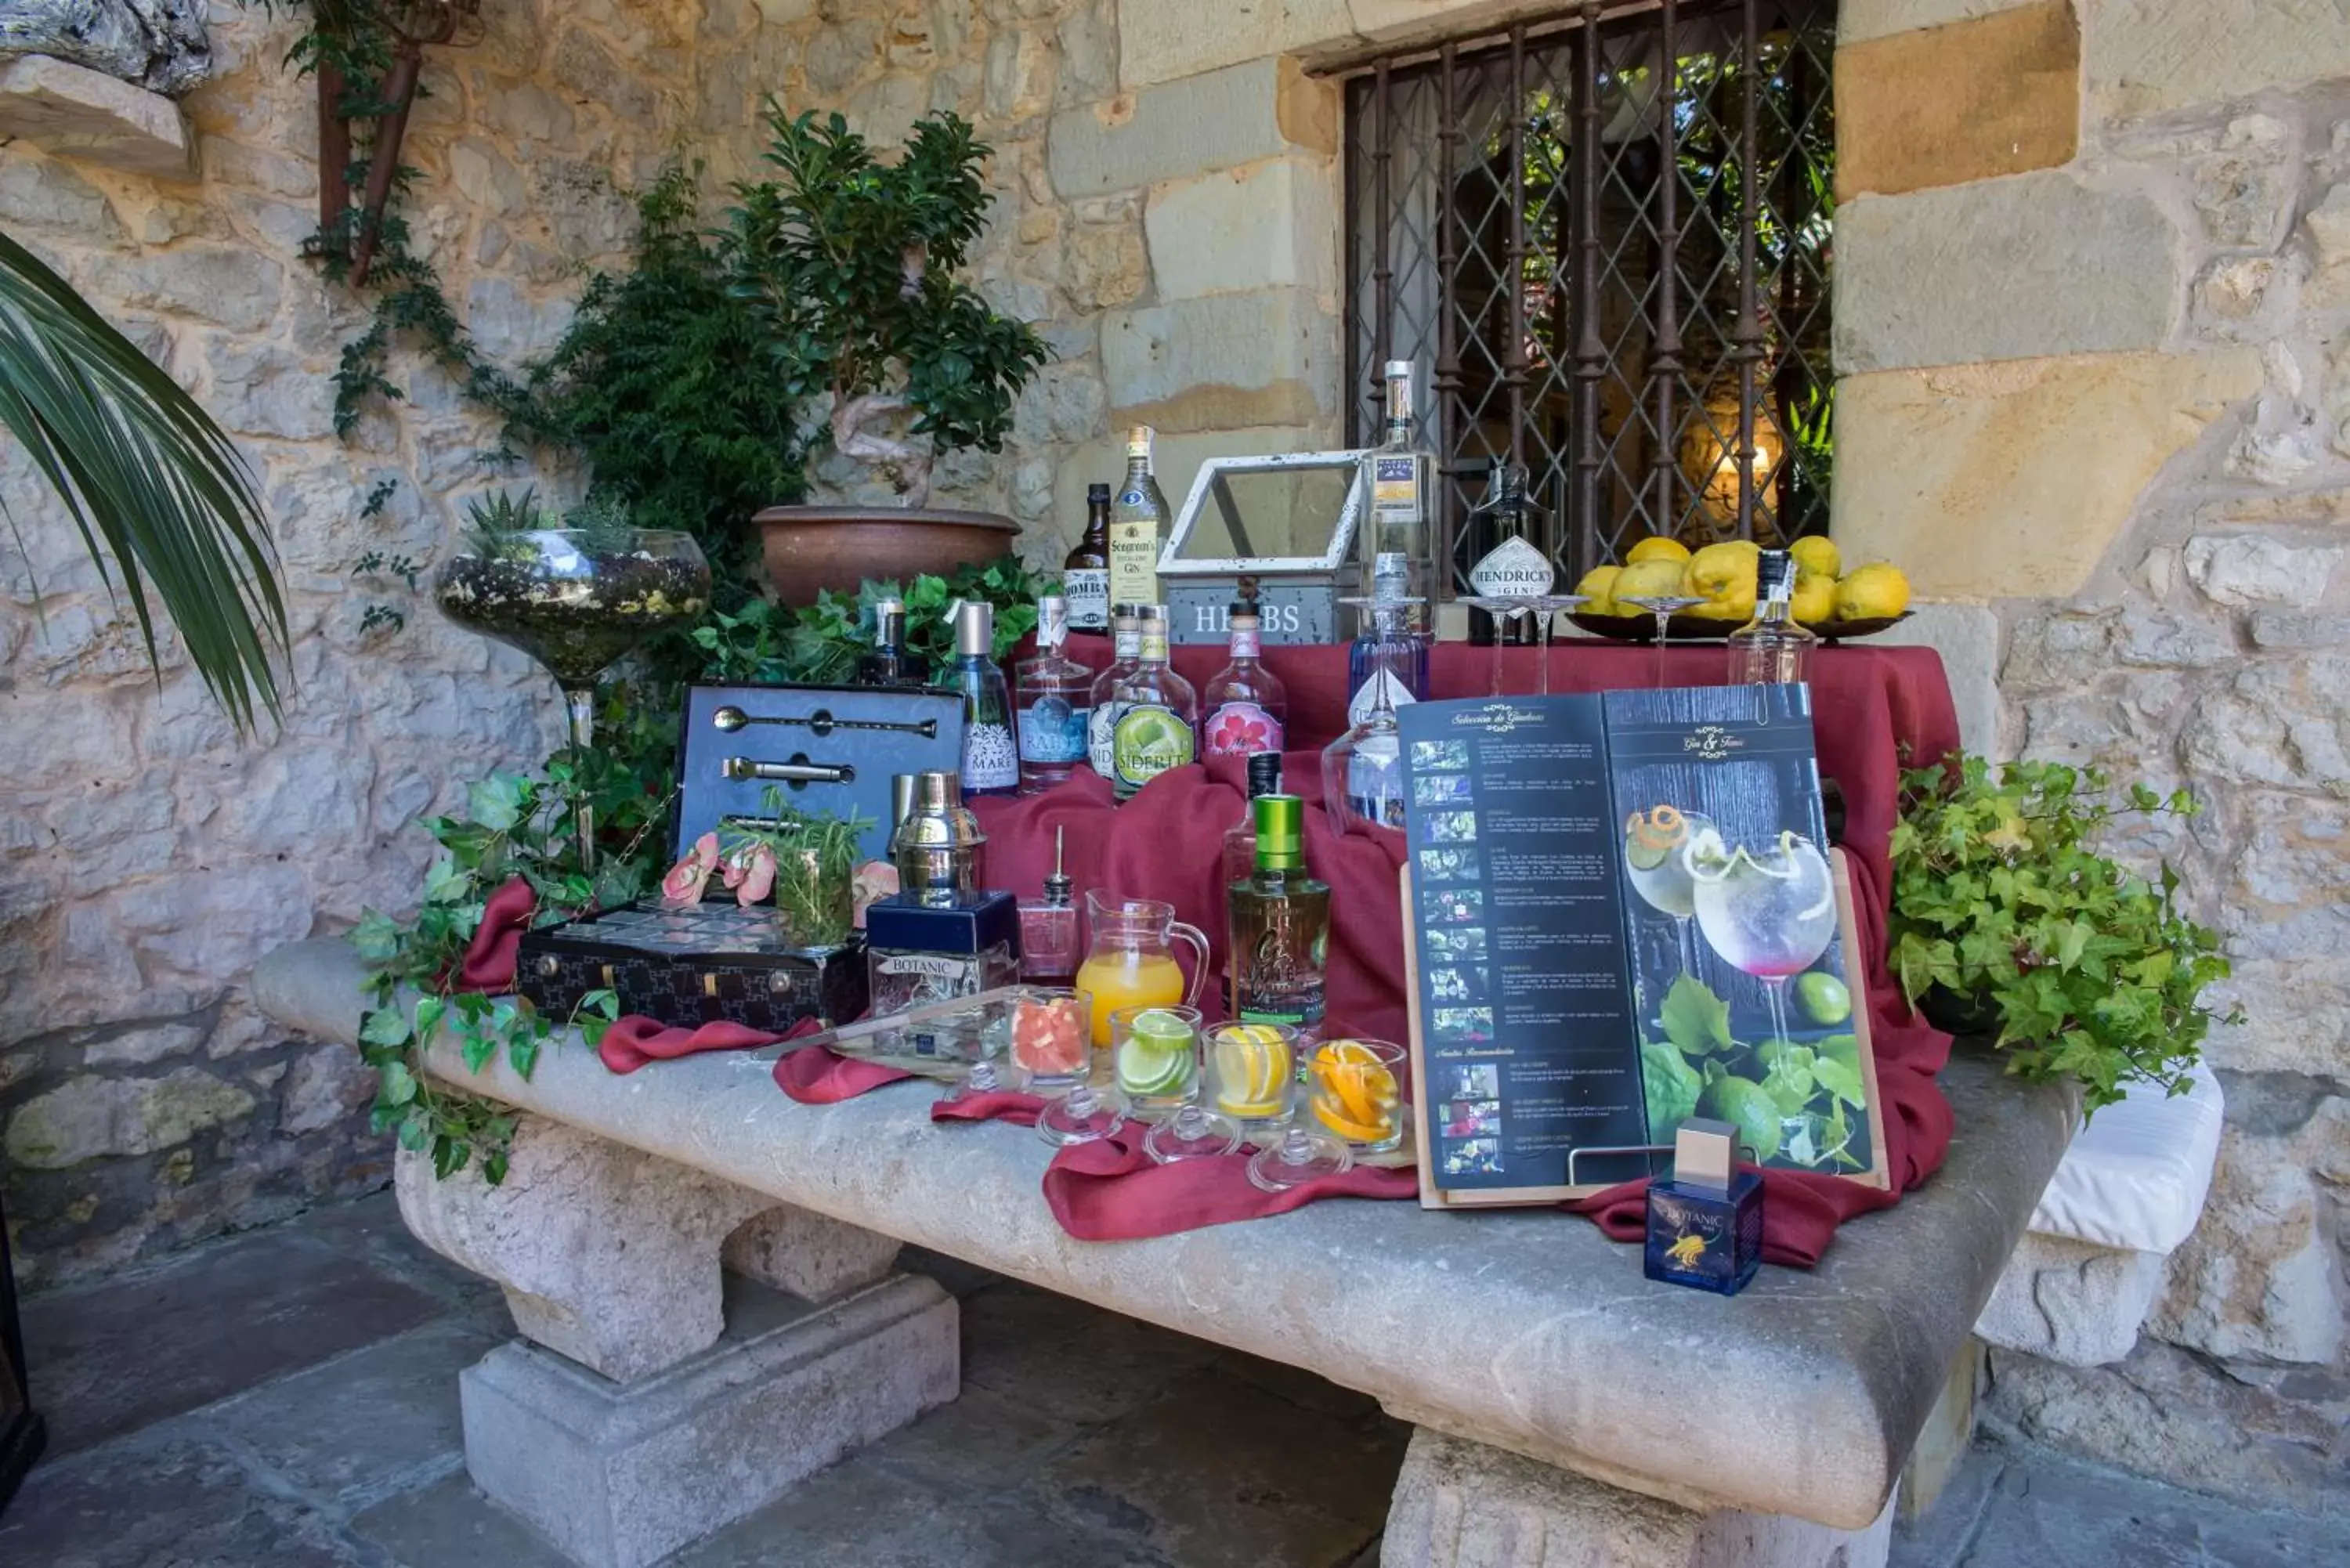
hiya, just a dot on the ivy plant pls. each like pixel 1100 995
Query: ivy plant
pixel 2001 898
pixel 821 642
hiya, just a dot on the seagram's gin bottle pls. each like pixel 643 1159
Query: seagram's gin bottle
pixel 1139 523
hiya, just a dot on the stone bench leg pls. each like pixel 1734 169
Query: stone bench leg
pixel 652 1399
pixel 1460 1504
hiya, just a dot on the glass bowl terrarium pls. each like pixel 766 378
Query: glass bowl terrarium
pixel 575 599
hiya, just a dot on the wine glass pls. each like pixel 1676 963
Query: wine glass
pixel 1770 915
pixel 1256 1080
pixel 1515 609
pixel 1664 607
pixel 1653 842
pixel 575 599
pixel 1195 1132
pixel 1545 608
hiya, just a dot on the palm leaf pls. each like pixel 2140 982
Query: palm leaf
pixel 153 484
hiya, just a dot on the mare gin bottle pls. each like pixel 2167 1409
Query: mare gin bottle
pixel 990 759
pixel 1280 924
pixel 1157 727
pixel 1245 707
pixel 1400 476
pixel 1084 575
pixel 1138 523
pixel 1101 700
pixel 1054 693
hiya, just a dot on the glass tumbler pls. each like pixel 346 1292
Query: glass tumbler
pixel 1155 1055
pixel 1356 1090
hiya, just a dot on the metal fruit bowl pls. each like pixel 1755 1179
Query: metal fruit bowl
pixel 1642 627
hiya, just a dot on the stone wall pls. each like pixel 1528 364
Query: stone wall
pixel 2106 398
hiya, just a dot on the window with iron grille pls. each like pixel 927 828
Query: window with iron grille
pixel 1613 272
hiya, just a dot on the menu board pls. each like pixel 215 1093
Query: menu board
pixel 1625 913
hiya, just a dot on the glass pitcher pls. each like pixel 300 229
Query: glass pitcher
pixel 1130 963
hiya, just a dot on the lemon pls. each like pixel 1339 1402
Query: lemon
pixel 1736 611
pixel 1647 579
pixel 1725 573
pixel 1872 592
pixel 1825 999
pixel 1815 597
pixel 1748 1108
pixel 1656 547
pixel 1816 555
pixel 1599 587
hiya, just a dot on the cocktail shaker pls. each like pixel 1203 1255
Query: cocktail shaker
pixel 936 845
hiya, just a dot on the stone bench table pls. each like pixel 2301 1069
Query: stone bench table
pixel 1568 1412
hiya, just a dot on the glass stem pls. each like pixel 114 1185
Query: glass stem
pixel 579 702
pixel 1772 993
pixel 1681 939
pixel 1664 619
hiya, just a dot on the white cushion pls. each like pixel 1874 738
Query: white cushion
pixel 2136 1175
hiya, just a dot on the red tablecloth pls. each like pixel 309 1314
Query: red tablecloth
pixel 1874 709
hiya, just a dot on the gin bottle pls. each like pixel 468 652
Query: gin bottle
pixel 990 759
pixel 1084 575
pixel 1512 564
pixel 1400 479
pixel 1240 854
pixel 885 664
pixel 1247 707
pixel 1157 728
pixel 1139 522
pixel 1771 648
pixel 1281 925
pixel 1390 654
pixel 1101 700
pixel 1054 693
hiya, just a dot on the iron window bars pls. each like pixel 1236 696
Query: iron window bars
pixel 1655 350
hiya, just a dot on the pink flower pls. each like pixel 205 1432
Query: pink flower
pixel 689 876
pixel 876 879
pixel 758 878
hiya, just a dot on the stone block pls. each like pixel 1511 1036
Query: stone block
pixel 2069 1300
pixel 2148 56
pixel 805 1254
pixel 1996 95
pixel 1463 1505
pixel 2244 570
pixel 1231 360
pixel 2011 480
pixel 76 112
pixel 2032 266
pixel 1857 21
pixel 621 1476
pixel 1967 636
pixel 90 1117
pixel 1262 226
pixel 1263 108
pixel 159 45
pixel 1948 1438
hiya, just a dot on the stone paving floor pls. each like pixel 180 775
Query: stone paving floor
pixel 288 1399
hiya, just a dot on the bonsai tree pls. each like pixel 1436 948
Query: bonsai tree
pixel 852 262
pixel 155 486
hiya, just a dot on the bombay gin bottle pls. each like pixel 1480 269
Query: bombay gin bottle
pixel 1281 925
pixel 1772 648
pixel 1399 481
pixel 1054 693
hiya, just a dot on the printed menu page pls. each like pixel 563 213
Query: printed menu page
pixel 1530 1048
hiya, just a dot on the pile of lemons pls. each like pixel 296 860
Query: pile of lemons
pixel 1721 578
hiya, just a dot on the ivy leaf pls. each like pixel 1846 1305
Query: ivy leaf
pixel 376 937
pixel 384 1026
pixel 416 1130
pixel 479 1048
pixel 429 1012
pixel 1695 1020
pixel 496 801
pixel 445 883
pixel 397 1085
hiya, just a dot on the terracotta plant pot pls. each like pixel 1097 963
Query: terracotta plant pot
pixel 813 548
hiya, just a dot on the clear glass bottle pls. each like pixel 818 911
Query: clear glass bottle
pixel 1281 925
pixel 991 758
pixel 1158 722
pixel 1399 477
pixel 1138 523
pixel 1101 698
pixel 1240 851
pixel 1510 564
pixel 1388 650
pixel 1054 692
pixel 885 663
pixel 1245 706
pixel 1772 649
pixel 1084 575
pixel 1362 770
pixel 1049 949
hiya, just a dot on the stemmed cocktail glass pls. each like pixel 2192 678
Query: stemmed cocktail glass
pixel 1770 915
pixel 1654 843
pixel 1664 607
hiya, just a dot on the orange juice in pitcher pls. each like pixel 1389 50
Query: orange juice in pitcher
pixel 1130 963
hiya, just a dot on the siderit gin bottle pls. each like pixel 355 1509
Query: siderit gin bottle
pixel 1102 707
